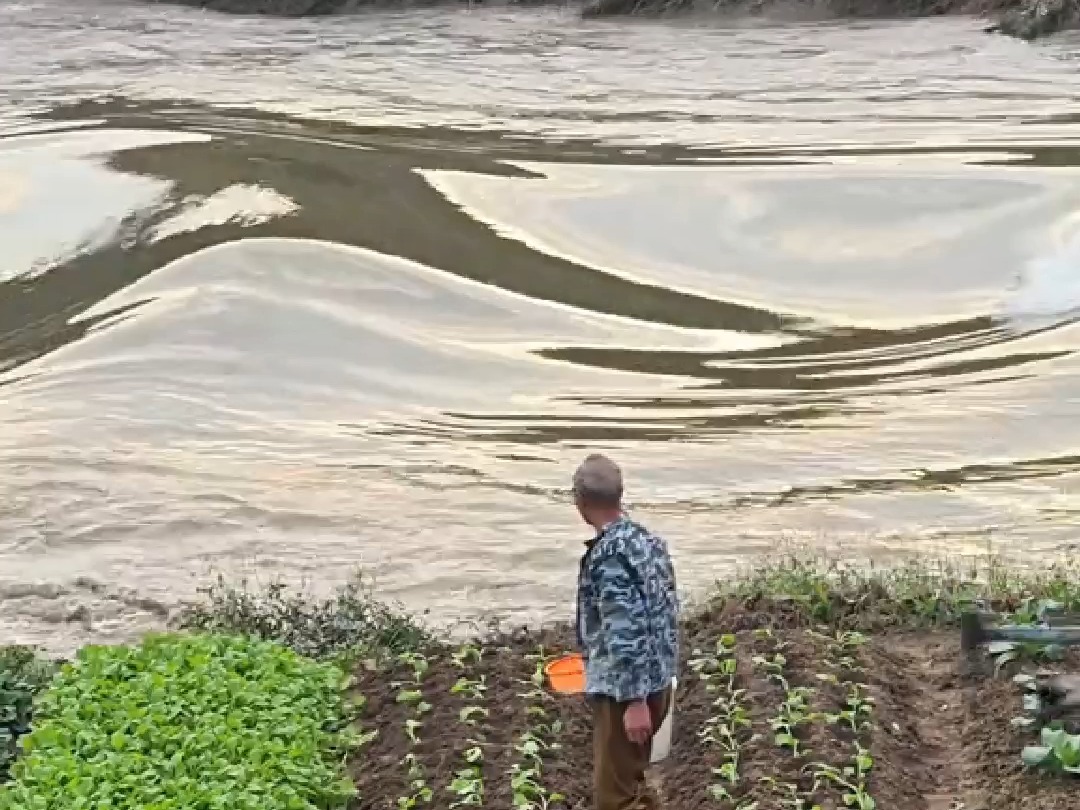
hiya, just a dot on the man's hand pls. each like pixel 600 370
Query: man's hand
pixel 638 722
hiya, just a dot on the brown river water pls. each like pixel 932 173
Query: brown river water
pixel 283 298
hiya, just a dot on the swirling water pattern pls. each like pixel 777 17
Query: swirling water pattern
pixel 283 298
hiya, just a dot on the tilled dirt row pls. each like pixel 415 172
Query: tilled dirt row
pixel 523 731
pixel 938 739
pixel 963 718
pixel 776 776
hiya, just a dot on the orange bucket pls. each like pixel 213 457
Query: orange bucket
pixel 567 674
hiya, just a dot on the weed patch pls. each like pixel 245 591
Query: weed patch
pixel 352 622
pixel 811 590
pixel 22 676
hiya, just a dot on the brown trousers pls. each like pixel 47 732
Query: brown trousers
pixel 618 764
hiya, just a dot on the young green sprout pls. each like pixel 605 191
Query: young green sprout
pixel 410 696
pixel 467 786
pixel 722 730
pixel 858 707
pixel 852 779
pixel 421 792
pixel 473 689
pixel 471 715
pixel 788 795
pixel 465 655
pixel 526 776
pixel 793 712
pixel 468 783
pixel 418 662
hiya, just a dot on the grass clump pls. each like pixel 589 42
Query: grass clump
pixel 178 722
pixel 22 675
pixel 915 594
pixel 352 622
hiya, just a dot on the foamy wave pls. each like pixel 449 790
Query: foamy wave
pixel 1049 284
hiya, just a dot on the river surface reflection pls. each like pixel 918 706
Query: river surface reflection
pixel 284 298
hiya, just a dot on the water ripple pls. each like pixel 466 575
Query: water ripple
pixel 361 291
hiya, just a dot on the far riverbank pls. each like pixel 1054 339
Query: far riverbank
pixel 1024 19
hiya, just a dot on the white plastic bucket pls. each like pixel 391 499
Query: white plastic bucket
pixel 661 741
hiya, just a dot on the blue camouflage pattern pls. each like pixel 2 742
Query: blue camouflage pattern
pixel 627 613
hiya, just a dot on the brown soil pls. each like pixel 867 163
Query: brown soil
pixel 940 736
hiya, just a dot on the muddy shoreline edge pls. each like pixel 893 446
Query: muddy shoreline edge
pixel 1023 19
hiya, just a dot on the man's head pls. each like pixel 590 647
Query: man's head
pixel 598 490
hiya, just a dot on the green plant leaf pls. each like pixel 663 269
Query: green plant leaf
pixel 1068 751
pixel 1035 755
pixel 1024 680
pixel 1004 658
pixel 1053 737
pixel 719 793
pixel 221 722
pixel 1053 652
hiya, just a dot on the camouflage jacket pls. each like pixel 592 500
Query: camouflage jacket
pixel 627 612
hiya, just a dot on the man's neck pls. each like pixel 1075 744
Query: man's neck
pixel 601 522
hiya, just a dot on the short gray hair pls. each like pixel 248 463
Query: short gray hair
pixel 598 480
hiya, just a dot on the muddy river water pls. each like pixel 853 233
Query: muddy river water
pixel 284 298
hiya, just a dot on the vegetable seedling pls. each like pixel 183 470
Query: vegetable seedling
pixel 472 689
pixel 526 776
pixel 469 714
pixel 852 779
pixel 418 662
pixel 422 794
pixel 717 670
pixel 355 738
pixel 412 730
pixel 849 640
pixel 793 712
pixel 465 655
pixel 468 787
pixel 410 696
pixel 788 795
pixel 1057 751
pixel 773 667
pixel 412 764
pixel 858 705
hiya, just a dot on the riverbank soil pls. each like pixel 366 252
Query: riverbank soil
pixel 895 716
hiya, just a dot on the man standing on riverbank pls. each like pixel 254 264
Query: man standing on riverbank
pixel 627 625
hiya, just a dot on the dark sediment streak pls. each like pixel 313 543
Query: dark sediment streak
pixel 1025 19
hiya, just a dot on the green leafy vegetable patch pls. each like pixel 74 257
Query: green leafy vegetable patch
pixel 195 722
